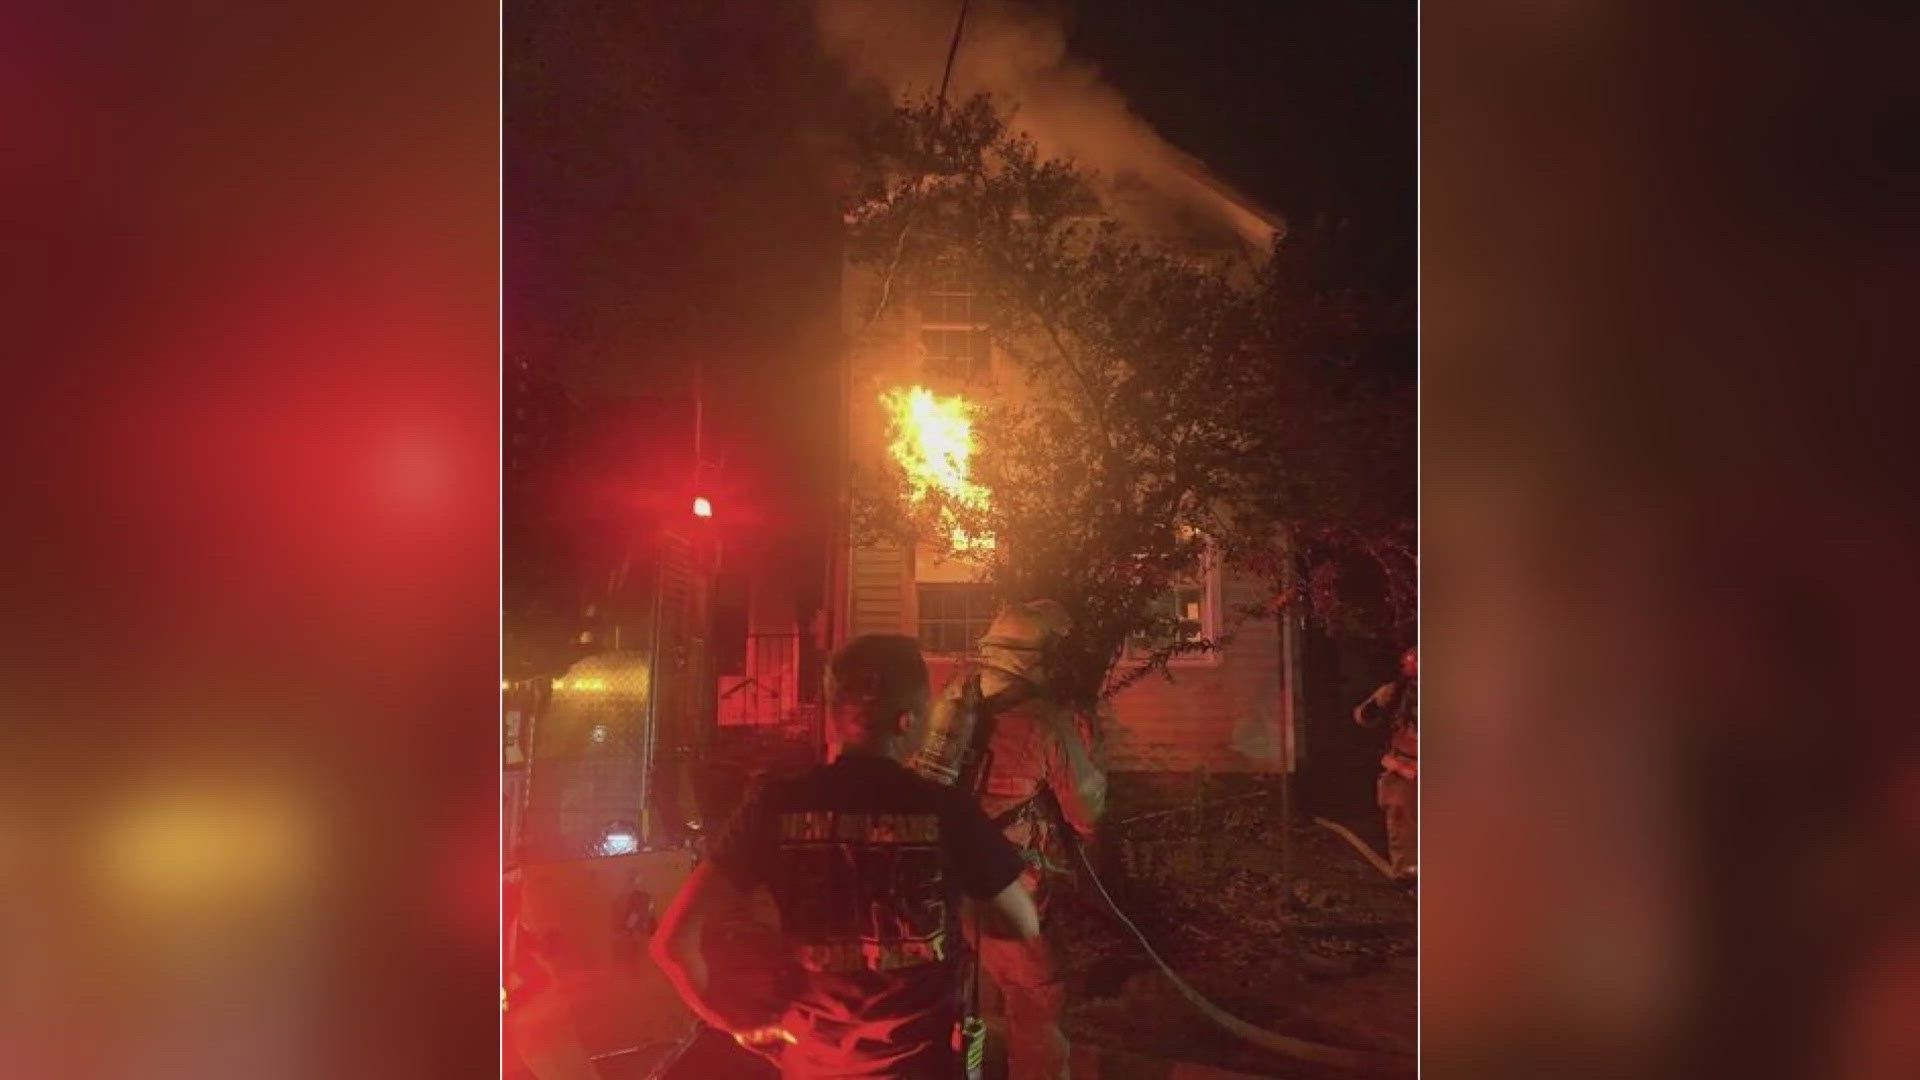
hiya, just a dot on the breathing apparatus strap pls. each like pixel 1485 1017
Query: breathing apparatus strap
pixel 1014 813
pixel 987 709
pixel 971 1023
pixel 973 780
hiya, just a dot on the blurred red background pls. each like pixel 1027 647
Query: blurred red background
pixel 1667 525
pixel 248 808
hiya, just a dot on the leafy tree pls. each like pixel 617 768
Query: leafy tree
pixel 1326 503
pixel 1172 396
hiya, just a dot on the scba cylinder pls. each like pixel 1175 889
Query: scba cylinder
pixel 944 741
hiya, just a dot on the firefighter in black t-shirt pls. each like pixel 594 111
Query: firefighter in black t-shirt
pixel 867 864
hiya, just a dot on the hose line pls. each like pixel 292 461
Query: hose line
pixel 1287 1045
pixel 1359 845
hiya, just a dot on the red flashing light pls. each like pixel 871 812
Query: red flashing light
pixel 701 507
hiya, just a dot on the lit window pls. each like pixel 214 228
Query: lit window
pixel 953 329
pixel 950 307
pixel 957 352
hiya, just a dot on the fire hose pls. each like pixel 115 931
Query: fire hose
pixel 1287 1045
pixel 1364 848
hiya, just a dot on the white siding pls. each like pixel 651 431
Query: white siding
pixel 879 601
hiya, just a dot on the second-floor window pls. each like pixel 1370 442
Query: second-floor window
pixel 953 329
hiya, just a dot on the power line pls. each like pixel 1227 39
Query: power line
pixel 933 131
pixel 953 48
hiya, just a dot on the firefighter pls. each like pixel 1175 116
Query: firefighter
pixel 1038 757
pixel 867 864
pixel 1396 706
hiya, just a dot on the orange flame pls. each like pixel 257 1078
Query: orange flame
pixel 932 441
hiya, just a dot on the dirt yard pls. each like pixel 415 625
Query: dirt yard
pixel 1315 944
pixel 1321 948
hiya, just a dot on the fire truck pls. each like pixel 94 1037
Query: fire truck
pixel 604 812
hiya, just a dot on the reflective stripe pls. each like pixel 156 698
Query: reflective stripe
pixel 1014 813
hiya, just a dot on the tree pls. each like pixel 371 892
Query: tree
pixel 1154 377
pixel 1327 508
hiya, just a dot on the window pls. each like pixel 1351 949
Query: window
pixel 951 307
pixel 956 353
pixel 953 328
pixel 1191 598
pixel 954 616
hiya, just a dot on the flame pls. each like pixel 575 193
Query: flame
pixel 932 440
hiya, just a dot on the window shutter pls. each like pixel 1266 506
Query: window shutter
pixel 879 590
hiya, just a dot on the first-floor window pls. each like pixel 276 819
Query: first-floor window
pixel 954 616
pixel 1187 604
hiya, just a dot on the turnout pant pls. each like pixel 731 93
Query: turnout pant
pixel 1035 997
pixel 1400 803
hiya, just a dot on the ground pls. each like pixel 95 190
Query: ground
pixel 1313 942
pixel 1321 948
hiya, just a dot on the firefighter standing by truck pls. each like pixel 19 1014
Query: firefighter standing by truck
pixel 1039 777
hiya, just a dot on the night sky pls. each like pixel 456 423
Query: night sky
pixel 1308 106
pixel 669 198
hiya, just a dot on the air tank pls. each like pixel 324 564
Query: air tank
pixel 940 751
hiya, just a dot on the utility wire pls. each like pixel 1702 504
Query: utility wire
pixel 953 48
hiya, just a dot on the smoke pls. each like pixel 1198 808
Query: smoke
pixel 1017 52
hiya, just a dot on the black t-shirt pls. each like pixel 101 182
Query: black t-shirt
pixel 867 863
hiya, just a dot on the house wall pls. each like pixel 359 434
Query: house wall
pixel 1222 713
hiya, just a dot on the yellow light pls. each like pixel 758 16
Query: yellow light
pixel 933 444
pixel 701 507
pixel 225 840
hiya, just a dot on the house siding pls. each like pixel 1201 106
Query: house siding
pixel 1222 716
pixel 879 586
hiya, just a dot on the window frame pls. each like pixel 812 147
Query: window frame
pixel 974 363
pixel 1208 582
pixel 979 591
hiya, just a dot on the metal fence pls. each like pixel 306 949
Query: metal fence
pixel 590 774
pixel 767 690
